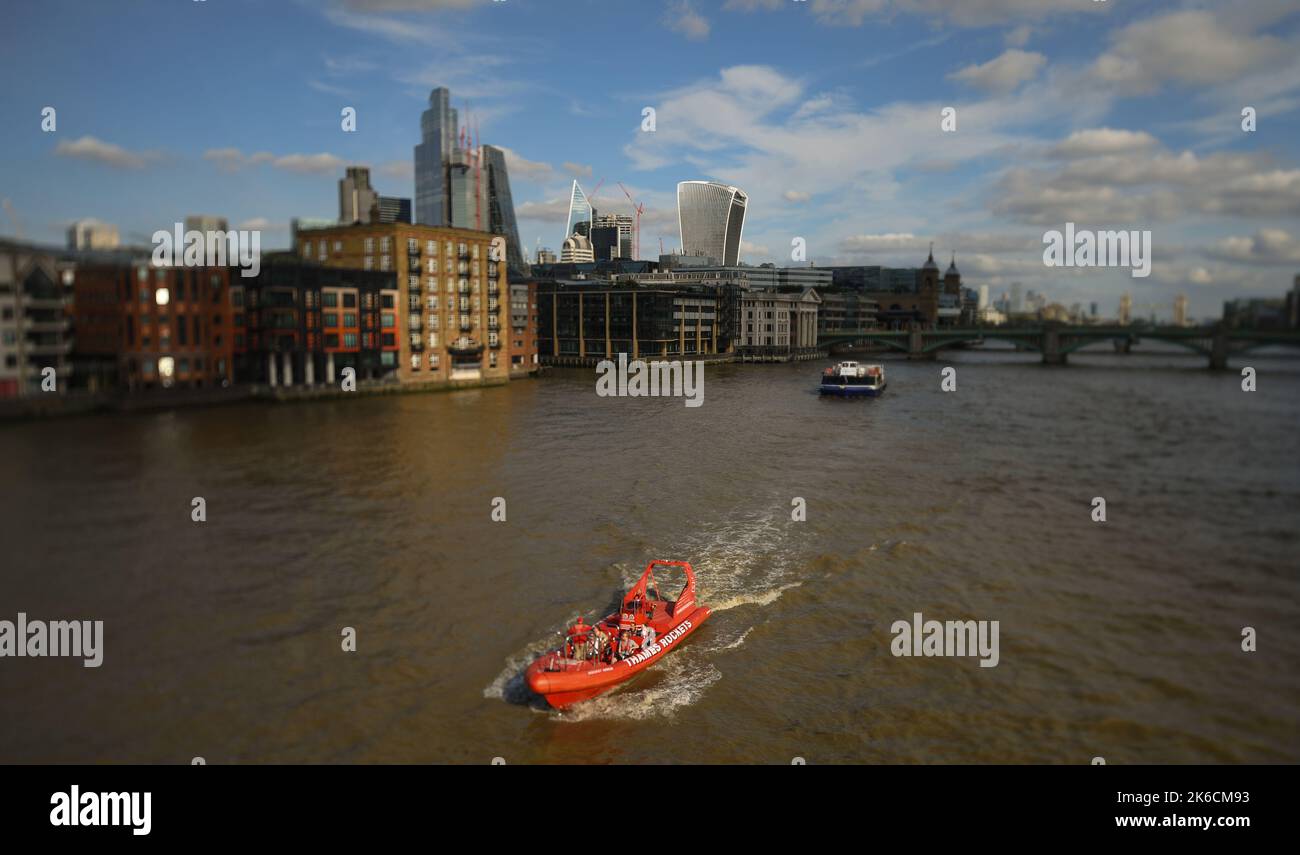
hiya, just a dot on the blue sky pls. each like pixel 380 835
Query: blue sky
pixel 1113 114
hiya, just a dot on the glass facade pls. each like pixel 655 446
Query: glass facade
pixel 711 217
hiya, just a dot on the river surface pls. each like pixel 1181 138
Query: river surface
pixel 1119 639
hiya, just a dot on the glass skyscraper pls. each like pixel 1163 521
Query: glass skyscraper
pixel 711 217
pixel 432 157
pixel 460 184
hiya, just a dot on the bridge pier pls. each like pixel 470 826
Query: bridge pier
pixel 1052 354
pixel 916 346
pixel 1219 352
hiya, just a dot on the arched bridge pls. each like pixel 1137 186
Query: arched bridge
pixel 1056 343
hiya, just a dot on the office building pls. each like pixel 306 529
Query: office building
pixel 357 198
pixel 460 183
pixel 92 234
pixel 711 219
pixel 845 311
pixel 581 214
pixel 392 209
pixel 204 223
pixel 582 322
pixel 576 250
pixel 523 329
pixel 778 324
pixel 622 224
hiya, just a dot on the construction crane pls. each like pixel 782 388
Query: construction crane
pixel 13 218
pixel 591 197
pixel 637 207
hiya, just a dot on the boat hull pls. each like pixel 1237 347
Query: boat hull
pixel 563 688
pixel 853 391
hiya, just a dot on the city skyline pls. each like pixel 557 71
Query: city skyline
pixel 1096 113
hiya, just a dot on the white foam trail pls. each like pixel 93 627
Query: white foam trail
pixel 678 683
pixel 733 644
pixel 762 598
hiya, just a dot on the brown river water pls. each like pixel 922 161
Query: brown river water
pixel 1119 639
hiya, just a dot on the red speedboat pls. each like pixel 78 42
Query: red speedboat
pixel 597 657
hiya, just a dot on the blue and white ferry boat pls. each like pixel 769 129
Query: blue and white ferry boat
pixel 849 379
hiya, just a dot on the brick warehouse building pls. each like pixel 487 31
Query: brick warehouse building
pixel 145 327
pixel 452 297
pixel 298 323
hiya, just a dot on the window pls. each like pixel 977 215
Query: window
pixel 389 339
pixel 370 245
pixel 385 244
pixel 412 246
pixel 349 319
pixel 338 246
pixel 350 339
pixel 388 320
pixel 306 248
pixel 415 362
pixel 368 263
pixel 389 301
pixel 330 298
pixel 331 339
pixel 431 265
pixel 433 360
pixel 431 246
pixel 433 339
pixel 433 302
pixel 349 301
pixel 331 319
pixel 385 262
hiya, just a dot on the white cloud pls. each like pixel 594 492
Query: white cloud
pixel 1003 73
pixel 523 169
pixel 262 224
pixel 965 13
pixel 1100 141
pixel 1266 247
pixel 233 160
pixel 681 17
pixel 313 164
pixel 1192 47
pixel 1018 37
pixel 398 170
pixel 577 170
pixel 796 196
pixel 106 153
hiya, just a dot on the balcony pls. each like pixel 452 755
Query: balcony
pixel 56 325
pixel 465 346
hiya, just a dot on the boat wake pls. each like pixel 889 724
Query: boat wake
pixel 745 562
pixel 661 692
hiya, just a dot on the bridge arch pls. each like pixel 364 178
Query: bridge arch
pixel 1028 342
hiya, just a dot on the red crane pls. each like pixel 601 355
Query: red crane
pixel 638 207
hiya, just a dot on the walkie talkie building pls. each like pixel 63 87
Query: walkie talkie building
pixel 710 217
